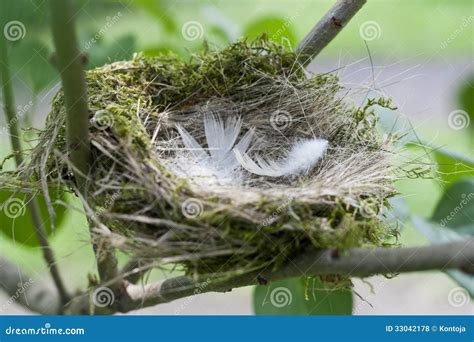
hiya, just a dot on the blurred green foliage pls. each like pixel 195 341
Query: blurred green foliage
pixel 16 223
pixel 452 166
pixel 455 209
pixel 278 29
pixel 161 12
pixel 301 296
pixel 155 27
pixel 453 214
pixel 466 102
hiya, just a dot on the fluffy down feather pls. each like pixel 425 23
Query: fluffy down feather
pixel 302 157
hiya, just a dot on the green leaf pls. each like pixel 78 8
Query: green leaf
pixel 436 235
pixel 159 10
pixel 467 229
pixel 16 222
pixel 456 207
pixel 277 29
pixel 102 52
pixel 452 165
pixel 217 33
pixel 301 296
pixel 32 14
pixel 466 99
pixel 30 60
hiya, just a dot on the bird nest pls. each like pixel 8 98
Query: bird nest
pixel 233 161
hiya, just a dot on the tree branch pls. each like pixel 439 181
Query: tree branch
pixel 70 67
pixel 135 269
pixel 74 88
pixel 327 28
pixel 33 207
pixel 26 291
pixel 357 262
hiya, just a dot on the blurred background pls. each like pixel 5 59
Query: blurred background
pixel 420 53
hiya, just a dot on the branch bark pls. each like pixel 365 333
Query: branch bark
pixel 356 262
pixel 74 88
pixel 69 62
pixel 327 29
pixel 134 270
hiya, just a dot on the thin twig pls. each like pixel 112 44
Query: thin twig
pixel 134 270
pixel 327 28
pixel 32 203
pixel 72 74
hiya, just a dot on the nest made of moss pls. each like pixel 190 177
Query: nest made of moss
pixel 144 208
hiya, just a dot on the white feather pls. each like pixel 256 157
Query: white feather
pixel 218 162
pixel 192 145
pixel 223 160
pixel 302 157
